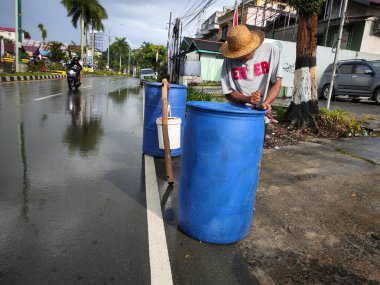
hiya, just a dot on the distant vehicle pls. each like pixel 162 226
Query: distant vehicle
pixel 354 78
pixel 146 74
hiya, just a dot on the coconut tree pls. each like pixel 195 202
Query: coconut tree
pixel 83 11
pixel 27 35
pixel 43 32
pixel 305 100
pixel 121 48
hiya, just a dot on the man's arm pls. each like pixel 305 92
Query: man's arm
pixel 272 94
pixel 237 97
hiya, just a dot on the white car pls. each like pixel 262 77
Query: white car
pixel 147 73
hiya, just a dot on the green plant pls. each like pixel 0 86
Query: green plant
pixel 280 112
pixel 198 95
pixel 341 122
pixel 56 66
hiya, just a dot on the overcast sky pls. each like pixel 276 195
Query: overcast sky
pixel 137 20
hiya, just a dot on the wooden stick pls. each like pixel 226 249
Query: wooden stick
pixel 165 132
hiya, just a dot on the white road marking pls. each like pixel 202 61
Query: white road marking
pixel 160 270
pixel 86 87
pixel 47 97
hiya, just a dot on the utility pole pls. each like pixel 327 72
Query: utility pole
pixel 328 23
pixel 108 51
pixel 242 12
pixel 342 19
pixel 129 60
pixel 18 35
pixel 168 43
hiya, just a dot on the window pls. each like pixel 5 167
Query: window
pixel 361 69
pixel 345 69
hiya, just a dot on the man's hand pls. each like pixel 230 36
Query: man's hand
pixel 255 97
pixel 267 106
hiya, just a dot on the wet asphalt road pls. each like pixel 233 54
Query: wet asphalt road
pixel 72 193
pixel 72 196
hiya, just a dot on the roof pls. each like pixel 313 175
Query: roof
pixel 3 29
pixel 30 49
pixel 205 46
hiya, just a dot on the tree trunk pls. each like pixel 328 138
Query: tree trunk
pixel 120 64
pixel 93 47
pixel 81 36
pixel 305 100
pixel 86 48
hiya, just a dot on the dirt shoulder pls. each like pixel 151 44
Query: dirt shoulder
pixel 317 218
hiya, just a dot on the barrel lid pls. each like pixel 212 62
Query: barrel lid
pixel 159 84
pixel 229 108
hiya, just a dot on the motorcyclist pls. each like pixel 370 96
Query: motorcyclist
pixel 77 67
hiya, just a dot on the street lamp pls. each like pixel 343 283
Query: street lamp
pixel 109 43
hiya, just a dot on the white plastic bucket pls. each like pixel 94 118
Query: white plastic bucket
pixel 174 130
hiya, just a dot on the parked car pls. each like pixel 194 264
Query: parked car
pixel 354 78
pixel 146 74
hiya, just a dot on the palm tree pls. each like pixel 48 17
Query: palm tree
pixel 305 100
pixel 43 32
pixel 27 35
pixel 122 48
pixel 85 11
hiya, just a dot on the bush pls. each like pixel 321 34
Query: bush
pixel 340 122
pixel 56 66
pixel 36 66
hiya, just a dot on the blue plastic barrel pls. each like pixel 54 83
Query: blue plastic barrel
pixel 219 170
pixel 153 109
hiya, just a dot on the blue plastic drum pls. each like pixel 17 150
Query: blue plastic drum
pixel 219 170
pixel 153 109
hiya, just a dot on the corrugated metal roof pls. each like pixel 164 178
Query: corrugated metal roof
pixel 205 45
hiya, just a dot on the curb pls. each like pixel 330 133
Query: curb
pixel 29 77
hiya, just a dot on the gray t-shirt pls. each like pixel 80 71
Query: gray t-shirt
pixel 255 74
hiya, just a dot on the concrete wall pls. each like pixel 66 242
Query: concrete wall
pixel 371 41
pixel 211 67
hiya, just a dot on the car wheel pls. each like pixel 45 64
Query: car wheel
pixel 325 92
pixel 376 96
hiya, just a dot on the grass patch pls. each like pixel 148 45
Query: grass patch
pixel 206 84
pixel 200 95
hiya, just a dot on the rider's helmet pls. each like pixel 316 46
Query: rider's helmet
pixel 76 59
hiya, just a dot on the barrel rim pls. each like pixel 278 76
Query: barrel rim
pixel 215 107
pixel 158 84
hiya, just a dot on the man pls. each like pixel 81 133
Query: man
pixel 252 71
pixel 76 65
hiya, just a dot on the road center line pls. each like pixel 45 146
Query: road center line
pixel 47 97
pixel 160 270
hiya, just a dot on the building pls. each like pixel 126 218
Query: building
pixel 209 29
pixel 361 31
pixel 260 14
pixel 9 33
pixel 201 61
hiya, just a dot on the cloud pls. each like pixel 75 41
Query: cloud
pixel 140 20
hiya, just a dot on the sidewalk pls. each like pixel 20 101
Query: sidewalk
pixel 316 221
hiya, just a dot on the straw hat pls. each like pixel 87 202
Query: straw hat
pixel 241 41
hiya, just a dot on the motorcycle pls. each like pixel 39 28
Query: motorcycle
pixel 72 79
